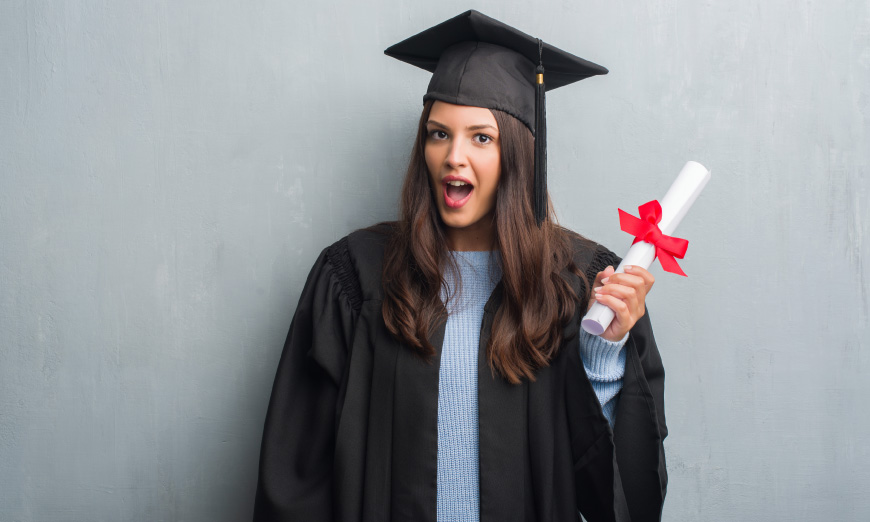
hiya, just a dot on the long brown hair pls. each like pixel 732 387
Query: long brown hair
pixel 537 301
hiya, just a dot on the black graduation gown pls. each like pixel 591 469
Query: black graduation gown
pixel 351 429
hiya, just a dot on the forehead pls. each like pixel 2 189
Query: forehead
pixel 461 115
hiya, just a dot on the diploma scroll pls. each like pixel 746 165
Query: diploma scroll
pixel 679 199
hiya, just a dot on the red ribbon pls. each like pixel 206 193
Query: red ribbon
pixel 646 229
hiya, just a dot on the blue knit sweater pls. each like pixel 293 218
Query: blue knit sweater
pixel 458 471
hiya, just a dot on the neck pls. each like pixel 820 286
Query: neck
pixel 475 237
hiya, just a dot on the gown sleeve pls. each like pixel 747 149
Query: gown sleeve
pixel 639 428
pixel 295 480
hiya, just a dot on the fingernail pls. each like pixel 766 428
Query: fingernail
pixel 628 268
pixel 597 296
pixel 596 290
pixel 605 280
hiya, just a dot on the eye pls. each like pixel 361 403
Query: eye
pixel 482 139
pixel 437 134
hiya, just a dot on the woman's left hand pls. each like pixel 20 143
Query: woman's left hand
pixel 625 294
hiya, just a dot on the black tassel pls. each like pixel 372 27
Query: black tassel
pixel 540 142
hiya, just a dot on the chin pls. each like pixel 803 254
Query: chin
pixel 454 220
pixel 461 220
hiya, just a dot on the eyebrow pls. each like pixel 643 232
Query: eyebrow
pixel 470 127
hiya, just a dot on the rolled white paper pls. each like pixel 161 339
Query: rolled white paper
pixel 679 199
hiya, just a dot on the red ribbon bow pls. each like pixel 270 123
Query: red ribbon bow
pixel 646 229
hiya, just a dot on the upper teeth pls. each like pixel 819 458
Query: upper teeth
pixel 457 183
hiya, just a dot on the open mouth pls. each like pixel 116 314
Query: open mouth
pixel 456 193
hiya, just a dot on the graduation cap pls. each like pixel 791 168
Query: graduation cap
pixel 481 62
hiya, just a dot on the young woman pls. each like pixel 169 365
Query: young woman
pixel 434 368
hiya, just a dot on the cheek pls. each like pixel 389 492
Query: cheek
pixel 493 173
pixel 430 154
pixel 429 168
pixel 431 165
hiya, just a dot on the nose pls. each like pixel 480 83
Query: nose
pixel 456 157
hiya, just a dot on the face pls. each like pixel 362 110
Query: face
pixel 463 155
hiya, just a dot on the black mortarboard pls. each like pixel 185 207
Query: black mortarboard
pixel 479 61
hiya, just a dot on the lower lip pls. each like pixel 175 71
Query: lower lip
pixel 452 203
